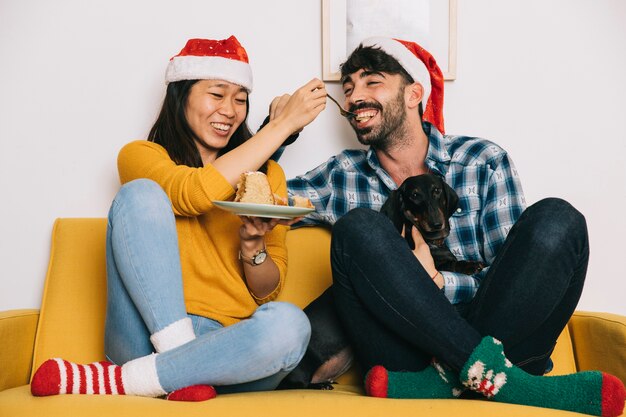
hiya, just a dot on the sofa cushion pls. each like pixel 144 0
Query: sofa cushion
pixel 345 400
pixel 71 323
pixel 598 336
pixel 18 327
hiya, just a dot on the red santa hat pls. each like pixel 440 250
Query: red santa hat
pixel 208 59
pixel 423 68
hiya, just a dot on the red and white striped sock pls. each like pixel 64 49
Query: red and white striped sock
pixel 57 376
pixel 137 377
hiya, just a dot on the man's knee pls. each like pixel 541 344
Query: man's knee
pixel 557 210
pixel 556 220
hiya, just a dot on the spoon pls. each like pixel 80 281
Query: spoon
pixel 344 113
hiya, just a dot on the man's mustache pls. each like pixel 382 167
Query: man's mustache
pixel 365 105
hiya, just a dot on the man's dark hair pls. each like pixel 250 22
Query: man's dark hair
pixel 371 58
pixel 172 131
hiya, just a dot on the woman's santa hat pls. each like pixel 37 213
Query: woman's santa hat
pixel 423 68
pixel 208 59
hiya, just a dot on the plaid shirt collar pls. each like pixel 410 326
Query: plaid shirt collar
pixel 437 157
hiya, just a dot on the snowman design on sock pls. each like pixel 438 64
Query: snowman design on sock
pixel 486 382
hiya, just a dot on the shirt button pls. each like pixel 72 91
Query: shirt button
pixel 459 210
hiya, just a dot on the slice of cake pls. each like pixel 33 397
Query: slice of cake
pixel 253 187
pixel 299 201
pixel 280 201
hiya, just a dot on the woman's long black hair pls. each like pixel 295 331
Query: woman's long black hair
pixel 172 131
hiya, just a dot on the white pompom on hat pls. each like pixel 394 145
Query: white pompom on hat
pixel 208 59
pixel 422 67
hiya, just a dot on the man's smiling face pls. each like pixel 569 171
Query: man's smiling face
pixel 378 99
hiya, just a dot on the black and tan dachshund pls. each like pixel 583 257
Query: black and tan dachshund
pixel 427 202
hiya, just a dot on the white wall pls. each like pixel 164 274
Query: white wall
pixel 544 79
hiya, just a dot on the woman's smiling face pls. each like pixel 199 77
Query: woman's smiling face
pixel 214 110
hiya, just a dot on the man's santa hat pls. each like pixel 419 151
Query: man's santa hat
pixel 208 59
pixel 423 68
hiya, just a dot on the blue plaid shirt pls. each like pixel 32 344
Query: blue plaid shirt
pixel 490 196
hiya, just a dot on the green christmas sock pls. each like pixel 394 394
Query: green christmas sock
pixel 435 381
pixel 490 373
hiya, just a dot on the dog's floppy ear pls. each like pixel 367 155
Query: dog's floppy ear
pixel 393 209
pixel 452 199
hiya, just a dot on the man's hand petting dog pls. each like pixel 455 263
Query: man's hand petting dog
pixel 423 255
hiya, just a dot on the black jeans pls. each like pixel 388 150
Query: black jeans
pixel 396 316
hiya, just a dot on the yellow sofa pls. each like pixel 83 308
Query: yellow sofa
pixel 70 325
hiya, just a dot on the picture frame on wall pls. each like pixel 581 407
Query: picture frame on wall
pixel 430 23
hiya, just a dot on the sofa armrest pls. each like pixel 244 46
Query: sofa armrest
pixel 17 336
pixel 599 342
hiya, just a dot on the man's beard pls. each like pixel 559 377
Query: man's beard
pixel 391 129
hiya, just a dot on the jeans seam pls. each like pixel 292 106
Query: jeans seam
pixel 381 297
pixel 135 271
pixel 533 359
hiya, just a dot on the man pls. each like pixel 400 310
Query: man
pixel 398 310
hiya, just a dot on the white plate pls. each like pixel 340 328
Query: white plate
pixel 263 210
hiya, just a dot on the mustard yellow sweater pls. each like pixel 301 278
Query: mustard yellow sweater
pixel 208 237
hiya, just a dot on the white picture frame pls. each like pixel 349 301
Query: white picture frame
pixel 441 27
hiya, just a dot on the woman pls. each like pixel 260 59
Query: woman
pixel 185 279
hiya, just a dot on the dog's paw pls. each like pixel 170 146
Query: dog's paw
pixel 326 385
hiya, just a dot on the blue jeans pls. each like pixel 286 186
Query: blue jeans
pixel 397 317
pixel 145 295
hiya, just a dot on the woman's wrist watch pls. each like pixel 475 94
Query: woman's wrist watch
pixel 257 259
